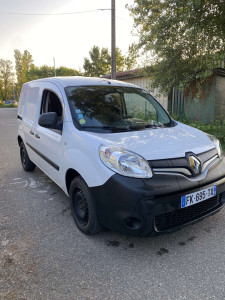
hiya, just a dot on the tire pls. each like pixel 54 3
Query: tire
pixel 83 207
pixel 27 164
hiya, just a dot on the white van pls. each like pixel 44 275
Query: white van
pixel 124 162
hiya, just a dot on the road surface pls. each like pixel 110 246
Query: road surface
pixel 44 256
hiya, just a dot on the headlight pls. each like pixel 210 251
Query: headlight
pixel 125 162
pixel 217 145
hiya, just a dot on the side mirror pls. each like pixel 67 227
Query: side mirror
pixel 48 120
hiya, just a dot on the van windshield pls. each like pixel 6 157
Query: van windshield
pixel 115 109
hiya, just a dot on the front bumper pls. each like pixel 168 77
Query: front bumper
pixel 147 207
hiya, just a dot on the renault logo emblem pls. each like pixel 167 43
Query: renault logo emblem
pixel 195 164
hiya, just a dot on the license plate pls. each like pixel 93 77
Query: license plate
pixel 199 196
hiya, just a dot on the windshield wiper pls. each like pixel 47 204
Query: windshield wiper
pixel 106 128
pixel 131 127
pixel 153 126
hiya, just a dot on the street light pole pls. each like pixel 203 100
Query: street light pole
pixel 113 40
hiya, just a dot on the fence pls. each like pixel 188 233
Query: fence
pixel 176 102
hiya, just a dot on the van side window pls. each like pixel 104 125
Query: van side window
pixel 51 103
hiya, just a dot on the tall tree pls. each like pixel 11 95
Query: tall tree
pixel 186 38
pixel 23 64
pixel 6 77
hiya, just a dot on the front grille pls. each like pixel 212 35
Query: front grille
pixel 181 162
pixel 185 215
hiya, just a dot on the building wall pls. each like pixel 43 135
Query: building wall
pixel 144 82
pixel 201 107
pixel 220 98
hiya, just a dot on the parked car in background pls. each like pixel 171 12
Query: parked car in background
pixel 122 160
pixel 9 102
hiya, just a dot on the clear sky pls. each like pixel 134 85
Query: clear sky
pixel 68 38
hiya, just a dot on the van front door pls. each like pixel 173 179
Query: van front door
pixel 49 141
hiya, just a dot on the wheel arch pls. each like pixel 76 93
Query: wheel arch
pixel 19 139
pixel 70 175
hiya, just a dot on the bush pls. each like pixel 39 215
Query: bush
pixel 217 128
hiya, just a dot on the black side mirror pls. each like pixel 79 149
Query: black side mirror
pixel 48 120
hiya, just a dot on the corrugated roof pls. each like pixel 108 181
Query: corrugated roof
pixel 139 73
pixel 127 74
pixel 219 71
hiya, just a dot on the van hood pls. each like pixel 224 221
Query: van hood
pixel 159 143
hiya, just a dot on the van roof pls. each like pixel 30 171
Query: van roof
pixel 80 80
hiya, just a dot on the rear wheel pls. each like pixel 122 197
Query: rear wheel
pixel 83 207
pixel 27 164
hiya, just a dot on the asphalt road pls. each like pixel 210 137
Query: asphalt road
pixel 44 256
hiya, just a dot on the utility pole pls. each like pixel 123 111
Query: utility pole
pixel 54 66
pixel 113 41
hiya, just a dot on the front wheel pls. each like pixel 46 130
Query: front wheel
pixel 27 164
pixel 83 207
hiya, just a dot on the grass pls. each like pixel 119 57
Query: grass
pixel 2 105
pixel 217 128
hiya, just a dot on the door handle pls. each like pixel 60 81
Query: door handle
pixel 31 132
pixel 37 136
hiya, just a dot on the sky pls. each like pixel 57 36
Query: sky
pixel 68 38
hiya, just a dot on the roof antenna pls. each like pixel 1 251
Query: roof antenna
pixel 54 66
pixel 106 81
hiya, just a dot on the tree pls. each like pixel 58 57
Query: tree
pixel 6 77
pixel 23 64
pixel 99 62
pixel 185 38
pixel 120 61
pixel 63 71
pixel 131 58
pixel 40 72
pixel 47 71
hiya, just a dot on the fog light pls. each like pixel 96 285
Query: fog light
pixel 132 223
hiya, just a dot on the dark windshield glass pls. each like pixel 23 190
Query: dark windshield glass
pixel 106 108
